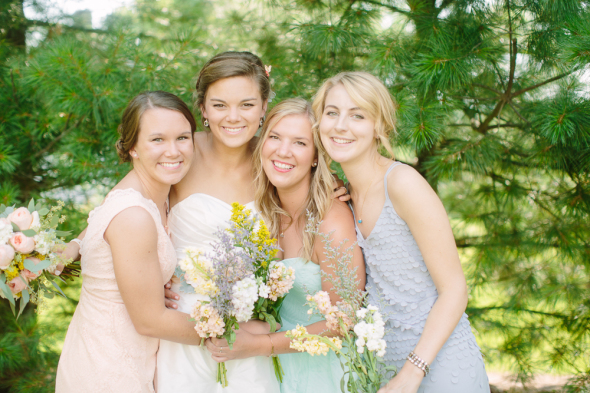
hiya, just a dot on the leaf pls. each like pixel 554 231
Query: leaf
pixel 59 289
pixel 63 233
pixel 54 222
pixel 30 265
pixel 31 207
pixel 23 302
pixel 43 211
pixel 6 290
pixel 15 227
pixel 29 232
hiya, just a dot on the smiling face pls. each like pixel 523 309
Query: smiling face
pixel 234 107
pixel 164 148
pixel 288 153
pixel 347 132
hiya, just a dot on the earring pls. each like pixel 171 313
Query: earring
pixel 206 123
pixel 261 121
pixel 314 164
pixel 134 155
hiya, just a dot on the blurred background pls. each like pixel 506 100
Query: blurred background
pixel 494 110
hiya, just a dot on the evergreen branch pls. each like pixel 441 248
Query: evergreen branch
pixel 15 97
pixel 65 132
pixel 487 88
pixel 391 7
pixel 547 314
pixel 348 8
pixel 560 76
pixel 517 112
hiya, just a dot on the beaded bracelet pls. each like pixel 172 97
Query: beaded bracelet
pixel 418 362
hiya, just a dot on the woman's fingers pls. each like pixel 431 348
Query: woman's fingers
pixel 170 296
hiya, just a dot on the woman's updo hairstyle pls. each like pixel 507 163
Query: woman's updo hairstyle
pixel 129 127
pixel 371 95
pixel 229 65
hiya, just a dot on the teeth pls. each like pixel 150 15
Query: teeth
pixel 337 140
pixel 283 166
pixel 170 164
pixel 233 129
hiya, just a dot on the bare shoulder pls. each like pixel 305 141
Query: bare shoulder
pixel 133 220
pixel 339 219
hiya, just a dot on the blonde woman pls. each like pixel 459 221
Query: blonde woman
pixel 407 242
pixel 293 177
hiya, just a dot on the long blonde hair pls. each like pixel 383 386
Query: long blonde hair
pixel 319 198
pixel 369 94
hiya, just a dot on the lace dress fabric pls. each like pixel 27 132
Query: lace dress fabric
pixel 103 352
pixel 193 222
pixel 303 372
pixel 397 274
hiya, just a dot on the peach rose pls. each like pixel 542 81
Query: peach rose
pixel 29 275
pixel 16 285
pixel 36 222
pixel 22 243
pixel 21 217
pixel 6 256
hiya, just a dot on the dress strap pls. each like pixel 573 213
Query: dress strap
pixel 393 165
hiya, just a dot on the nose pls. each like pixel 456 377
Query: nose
pixel 173 150
pixel 342 123
pixel 284 149
pixel 234 115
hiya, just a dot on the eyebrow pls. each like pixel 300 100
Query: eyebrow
pixel 244 100
pixel 296 138
pixel 160 134
pixel 356 108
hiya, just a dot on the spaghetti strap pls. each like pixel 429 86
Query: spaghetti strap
pixel 393 165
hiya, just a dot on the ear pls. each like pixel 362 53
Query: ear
pixel 203 111
pixel 264 107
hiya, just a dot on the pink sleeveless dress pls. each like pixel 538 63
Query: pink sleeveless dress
pixel 102 351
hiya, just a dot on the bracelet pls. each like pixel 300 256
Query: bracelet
pixel 418 362
pixel 272 347
pixel 77 241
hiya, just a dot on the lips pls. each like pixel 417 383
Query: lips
pixel 341 141
pixel 170 165
pixel 234 130
pixel 282 166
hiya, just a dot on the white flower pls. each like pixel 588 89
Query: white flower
pixel 361 313
pixel 245 294
pixel 5 230
pixel 36 224
pixel 263 291
pixel 44 242
pixel 372 308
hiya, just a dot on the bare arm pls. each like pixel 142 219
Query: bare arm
pixel 137 270
pixel 338 220
pixel 419 206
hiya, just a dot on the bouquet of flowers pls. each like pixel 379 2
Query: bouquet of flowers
pixel 238 281
pixel 28 238
pixel 361 326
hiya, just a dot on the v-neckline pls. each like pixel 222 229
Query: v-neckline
pixel 376 222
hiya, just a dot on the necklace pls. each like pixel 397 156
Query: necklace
pixel 360 220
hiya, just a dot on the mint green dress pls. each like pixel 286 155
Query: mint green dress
pixel 303 372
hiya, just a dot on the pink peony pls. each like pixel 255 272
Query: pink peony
pixel 29 275
pixel 22 243
pixel 6 255
pixel 16 285
pixel 21 217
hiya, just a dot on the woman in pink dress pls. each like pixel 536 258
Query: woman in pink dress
pixel 127 256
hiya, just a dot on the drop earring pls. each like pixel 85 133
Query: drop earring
pixel 206 123
pixel 314 164
pixel 261 121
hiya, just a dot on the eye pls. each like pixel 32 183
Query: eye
pixel 248 104
pixel 301 143
pixel 218 105
pixel 331 113
pixel 357 116
pixel 182 138
pixel 157 140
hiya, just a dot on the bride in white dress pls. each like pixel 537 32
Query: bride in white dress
pixel 232 94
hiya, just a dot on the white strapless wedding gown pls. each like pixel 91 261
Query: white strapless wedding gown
pixel 186 368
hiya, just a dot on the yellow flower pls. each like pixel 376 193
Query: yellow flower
pixel 11 273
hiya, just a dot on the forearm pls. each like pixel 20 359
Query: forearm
pixel 442 320
pixel 169 325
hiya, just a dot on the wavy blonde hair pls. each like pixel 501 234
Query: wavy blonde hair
pixel 371 95
pixel 319 198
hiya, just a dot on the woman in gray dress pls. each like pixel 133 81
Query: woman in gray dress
pixel 412 261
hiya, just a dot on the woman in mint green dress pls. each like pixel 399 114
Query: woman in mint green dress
pixel 292 178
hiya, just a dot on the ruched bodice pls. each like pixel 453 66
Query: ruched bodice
pixel 303 372
pixel 396 272
pixel 102 351
pixel 193 222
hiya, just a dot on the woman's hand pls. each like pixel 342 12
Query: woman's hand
pixel 246 345
pixel 408 380
pixel 256 326
pixel 170 296
pixel 70 250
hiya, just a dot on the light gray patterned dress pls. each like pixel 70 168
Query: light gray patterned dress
pixel 396 270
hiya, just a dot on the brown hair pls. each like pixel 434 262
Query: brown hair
pixel 319 198
pixel 228 65
pixel 370 94
pixel 129 127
